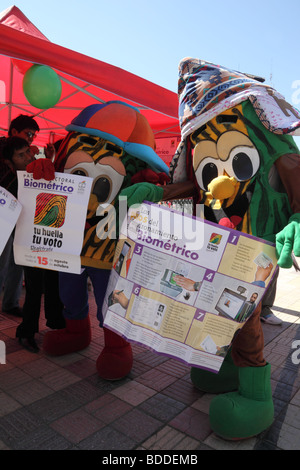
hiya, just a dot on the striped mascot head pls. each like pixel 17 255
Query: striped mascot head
pixel 110 143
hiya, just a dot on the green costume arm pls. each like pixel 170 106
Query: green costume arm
pixel 288 240
pixel 139 192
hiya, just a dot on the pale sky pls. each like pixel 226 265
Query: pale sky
pixel 149 38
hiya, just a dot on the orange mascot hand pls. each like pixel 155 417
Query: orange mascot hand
pixel 41 169
pixel 34 149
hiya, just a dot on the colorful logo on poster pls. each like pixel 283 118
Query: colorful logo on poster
pixel 214 241
pixel 81 186
pixel 50 210
pixel 215 238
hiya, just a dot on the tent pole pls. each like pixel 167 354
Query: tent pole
pixel 81 89
pixel 91 94
pixel 10 93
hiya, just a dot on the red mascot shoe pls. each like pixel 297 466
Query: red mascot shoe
pixel 115 361
pixel 75 337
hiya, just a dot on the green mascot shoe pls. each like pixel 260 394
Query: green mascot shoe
pixel 226 380
pixel 247 412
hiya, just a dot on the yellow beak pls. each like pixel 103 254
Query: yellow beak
pixel 222 187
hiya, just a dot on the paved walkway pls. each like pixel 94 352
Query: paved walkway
pixel 61 403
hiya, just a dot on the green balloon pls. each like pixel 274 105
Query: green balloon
pixel 42 86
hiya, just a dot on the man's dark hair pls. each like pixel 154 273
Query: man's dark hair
pixel 23 122
pixel 12 144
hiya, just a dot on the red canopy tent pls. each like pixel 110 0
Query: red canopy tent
pixel 84 81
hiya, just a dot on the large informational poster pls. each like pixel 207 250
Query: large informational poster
pixel 183 286
pixel 50 229
pixel 10 210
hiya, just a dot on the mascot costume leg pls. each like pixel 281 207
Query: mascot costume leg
pixel 113 144
pixel 244 167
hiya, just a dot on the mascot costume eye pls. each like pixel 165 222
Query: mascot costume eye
pixel 244 167
pixel 113 144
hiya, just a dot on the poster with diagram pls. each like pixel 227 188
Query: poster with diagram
pixel 10 210
pixel 182 286
pixel 50 230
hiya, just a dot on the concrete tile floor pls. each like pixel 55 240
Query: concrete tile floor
pixel 49 403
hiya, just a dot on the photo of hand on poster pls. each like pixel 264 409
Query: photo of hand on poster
pixel 118 297
pixel 183 282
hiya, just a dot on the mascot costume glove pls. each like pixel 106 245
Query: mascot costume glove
pixel 140 192
pixel 288 241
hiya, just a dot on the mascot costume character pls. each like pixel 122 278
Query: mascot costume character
pixel 113 144
pixel 237 150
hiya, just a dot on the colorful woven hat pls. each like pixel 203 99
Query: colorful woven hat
pixel 122 125
pixel 205 90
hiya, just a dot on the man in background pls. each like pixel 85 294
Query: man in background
pixel 11 275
